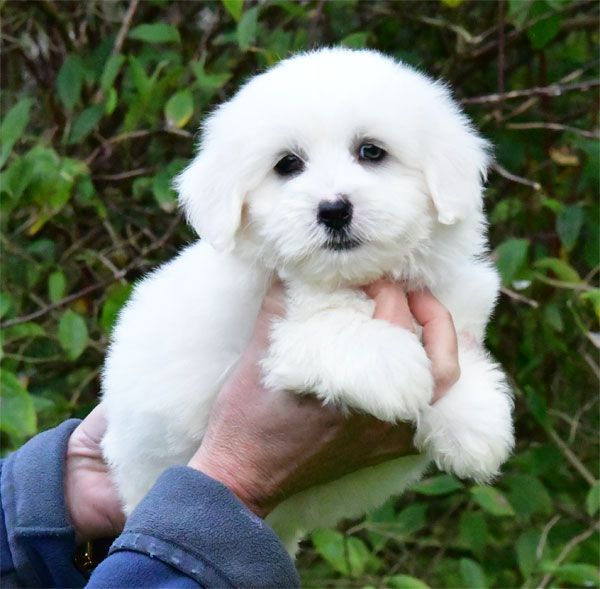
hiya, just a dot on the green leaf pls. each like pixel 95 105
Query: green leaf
pixel 72 334
pixel 411 519
pixel 86 122
pixel 438 485
pixel 472 574
pixel 562 269
pixel 568 225
pixel 155 33
pixel 543 31
pixel 593 296
pixel 116 299
pixel 537 405
pixel 164 194
pixel 57 285
pixel 139 77
pixel 110 102
pixel 405 582
pixel 526 548
pixel 17 177
pixel 13 125
pixel 518 11
pixel 356 40
pixel 70 80
pixel 592 501
pixel 24 330
pixel 347 555
pixel 553 317
pixel 6 303
pixel 110 72
pixel 581 574
pixel 247 29
pixel 209 82
pixel 473 531
pixel 18 413
pixel 511 256
pixel 492 501
pixel 179 109
pixel 384 516
pixel 527 495
pixel 234 8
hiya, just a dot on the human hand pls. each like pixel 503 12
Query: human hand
pixel 268 445
pixel 91 497
pixel 438 333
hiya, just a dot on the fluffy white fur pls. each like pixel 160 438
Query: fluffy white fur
pixel 419 217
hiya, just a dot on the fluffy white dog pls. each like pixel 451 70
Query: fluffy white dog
pixel 332 169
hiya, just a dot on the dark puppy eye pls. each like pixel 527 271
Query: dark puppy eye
pixel 368 152
pixel 289 164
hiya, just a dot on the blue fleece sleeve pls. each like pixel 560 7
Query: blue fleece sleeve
pixel 194 525
pixel 37 540
pixel 189 531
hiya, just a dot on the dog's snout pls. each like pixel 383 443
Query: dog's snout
pixel 335 214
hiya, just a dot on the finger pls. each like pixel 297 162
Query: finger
pixel 391 304
pixel 273 303
pixel 439 339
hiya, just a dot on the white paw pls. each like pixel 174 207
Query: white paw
pixel 469 431
pixel 373 367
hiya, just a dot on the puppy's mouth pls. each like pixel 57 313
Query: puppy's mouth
pixel 341 243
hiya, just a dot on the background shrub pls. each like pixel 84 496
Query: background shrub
pixel 100 103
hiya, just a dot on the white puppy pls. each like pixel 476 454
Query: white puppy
pixel 332 169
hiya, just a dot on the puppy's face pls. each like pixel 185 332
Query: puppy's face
pixel 335 166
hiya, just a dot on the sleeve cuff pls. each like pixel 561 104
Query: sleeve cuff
pixel 40 537
pixel 196 525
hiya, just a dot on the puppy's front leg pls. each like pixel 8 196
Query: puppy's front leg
pixel 469 430
pixel 342 355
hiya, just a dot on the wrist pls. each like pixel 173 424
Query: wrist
pixel 236 478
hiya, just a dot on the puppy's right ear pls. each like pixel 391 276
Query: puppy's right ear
pixel 212 188
pixel 212 198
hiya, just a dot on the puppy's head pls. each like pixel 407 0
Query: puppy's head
pixel 335 165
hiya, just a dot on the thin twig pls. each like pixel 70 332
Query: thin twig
pixel 514 178
pixel 126 175
pixel 562 284
pixel 501 60
pixel 572 459
pixel 122 34
pixel 592 364
pixel 120 38
pixel 554 127
pixel 519 297
pixel 77 392
pixel 50 9
pixel 539 551
pixel 129 135
pixel 551 90
pixel 98 286
pixel 575 422
pixel 569 546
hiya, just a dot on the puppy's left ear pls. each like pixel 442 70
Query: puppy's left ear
pixel 212 198
pixel 456 167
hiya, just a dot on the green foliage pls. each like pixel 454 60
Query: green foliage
pixel 99 110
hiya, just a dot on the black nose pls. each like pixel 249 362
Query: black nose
pixel 335 214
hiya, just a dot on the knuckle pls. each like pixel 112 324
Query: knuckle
pixel 447 373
